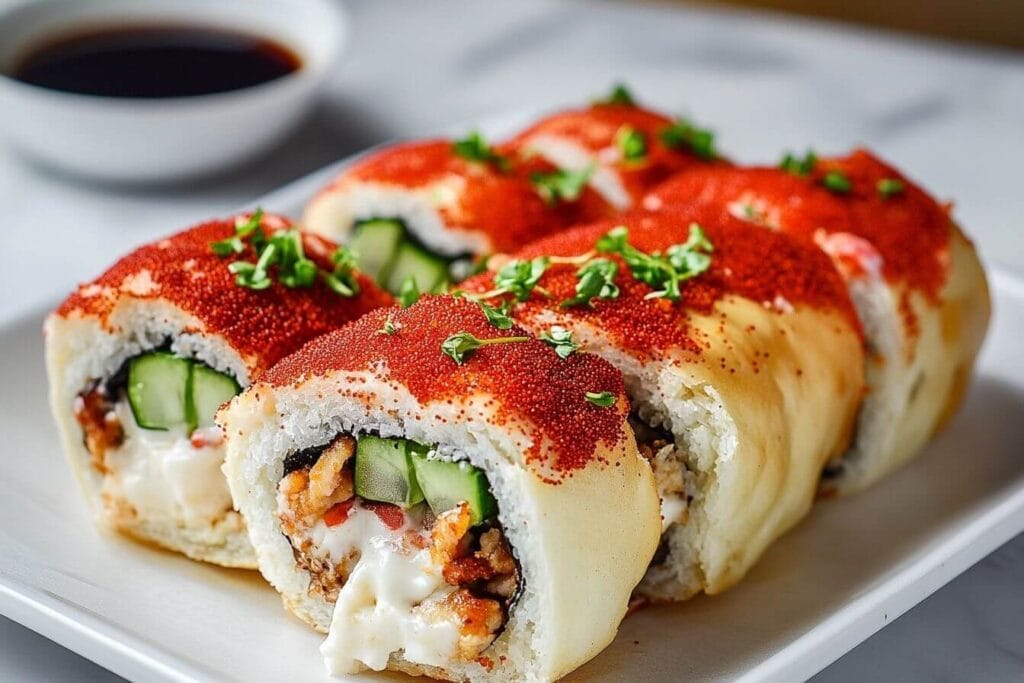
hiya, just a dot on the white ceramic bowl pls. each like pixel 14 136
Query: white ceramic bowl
pixel 149 140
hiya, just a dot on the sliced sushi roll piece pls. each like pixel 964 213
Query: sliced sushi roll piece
pixel 743 362
pixel 618 148
pixel 915 279
pixel 440 496
pixel 141 358
pixel 422 211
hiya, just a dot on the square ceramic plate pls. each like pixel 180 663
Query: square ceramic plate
pixel 847 570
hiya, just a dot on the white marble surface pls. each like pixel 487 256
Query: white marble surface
pixel 952 116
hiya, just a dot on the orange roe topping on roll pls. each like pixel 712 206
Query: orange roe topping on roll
pixel 907 228
pixel 503 205
pixel 261 325
pixel 596 129
pixel 771 269
pixel 529 385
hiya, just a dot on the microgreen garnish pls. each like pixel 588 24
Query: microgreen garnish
pixel 475 148
pixel 342 280
pixel 890 187
pixel 409 292
pixel 601 399
pixel 596 279
pixel 561 339
pixel 497 315
pixel 837 182
pixel 284 250
pixel 245 228
pixel 390 326
pixel 619 95
pixel 564 185
pixel 519 277
pixel 797 166
pixel 664 272
pixel 461 344
pixel 631 143
pixel 684 134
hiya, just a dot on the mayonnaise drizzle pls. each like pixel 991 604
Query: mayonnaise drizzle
pixel 161 473
pixel 386 604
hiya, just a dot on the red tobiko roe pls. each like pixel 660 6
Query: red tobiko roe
pixel 748 261
pixel 526 379
pixel 262 325
pixel 501 203
pixel 907 227
pixel 390 515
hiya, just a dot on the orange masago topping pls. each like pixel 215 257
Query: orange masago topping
pixel 905 227
pixel 262 325
pixel 525 385
pixel 771 269
pixel 497 200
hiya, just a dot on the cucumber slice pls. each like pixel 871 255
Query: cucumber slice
pixel 427 270
pixel 210 390
pixel 158 389
pixel 376 241
pixel 384 471
pixel 446 484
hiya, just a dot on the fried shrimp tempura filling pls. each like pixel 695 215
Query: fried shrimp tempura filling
pixel 404 579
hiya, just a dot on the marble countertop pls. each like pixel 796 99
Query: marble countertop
pixel 952 116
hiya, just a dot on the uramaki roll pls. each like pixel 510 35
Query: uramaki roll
pixel 140 359
pixel 915 280
pixel 741 390
pixel 425 209
pixel 520 562
pixel 626 149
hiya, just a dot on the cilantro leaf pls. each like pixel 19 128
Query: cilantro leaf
pixel 561 339
pixel 684 134
pixel 562 185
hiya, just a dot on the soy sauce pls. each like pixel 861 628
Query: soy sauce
pixel 155 61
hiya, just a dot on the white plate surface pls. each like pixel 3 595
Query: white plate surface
pixel 841 575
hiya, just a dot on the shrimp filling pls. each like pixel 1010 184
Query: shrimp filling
pixel 426 584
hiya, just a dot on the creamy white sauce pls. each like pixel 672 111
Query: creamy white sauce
pixel 386 603
pixel 673 507
pixel 160 473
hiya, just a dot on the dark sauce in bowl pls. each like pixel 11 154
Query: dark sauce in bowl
pixel 154 61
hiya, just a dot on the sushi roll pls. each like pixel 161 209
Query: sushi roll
pixel 743 362
pixel 140 359
pixel 444 495
pixel 621 149
pixel 916 281
pixel 422 211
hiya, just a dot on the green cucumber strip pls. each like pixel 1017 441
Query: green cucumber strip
pixel 428 270
pixel 376 242
pixel 384 471
pixel 159 385
pixel 446 484
pixel 210 390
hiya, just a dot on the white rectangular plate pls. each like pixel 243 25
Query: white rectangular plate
pixel 840 576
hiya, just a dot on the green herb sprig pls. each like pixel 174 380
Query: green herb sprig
pixel 285 251
pixel 631 143
pixel 461 344
pixel 601 399
pixel 837 182
pixel 390 327
pixel 561 340
pixel 619 94
pixel 797 165
pixel 562 185
pixel 596 281
pixel 664 272
pixel 890 187
pixel 497 315
pixel 409 292
pixel 684 134
pixel 475 148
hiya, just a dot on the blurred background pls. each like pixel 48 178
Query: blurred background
pixel 996 22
